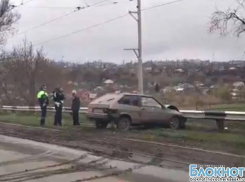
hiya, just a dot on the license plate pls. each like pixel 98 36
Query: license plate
pixel 98 111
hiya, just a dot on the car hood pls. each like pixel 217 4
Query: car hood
pixel 174 112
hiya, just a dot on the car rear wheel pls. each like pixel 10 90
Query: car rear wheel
pixel 101 125
pixel 182 125
pixel 175 123
pixel 124 123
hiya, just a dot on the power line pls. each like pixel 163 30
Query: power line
pixel 156 6
pixel 22 4
pixel 60 7
pixel 28 1
pixel 105 22
pixel 58 18
pixel 86 2
pixel 78 31
pixel 46 7
pixel 48 22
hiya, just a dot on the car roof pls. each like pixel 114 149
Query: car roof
pixel 142 95
pixel 116 96
pixel 125 93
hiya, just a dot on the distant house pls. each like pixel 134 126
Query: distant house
pixel 232 68
pixel 98 89
pixel 183 87
pixel 179 70
pixel 179 89
pixel 238 84
pixel 109 82
pixel 213 87
pixel 148 68
pixel 167 89
pixel 199 84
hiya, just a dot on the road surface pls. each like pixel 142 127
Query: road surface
pixel 25 160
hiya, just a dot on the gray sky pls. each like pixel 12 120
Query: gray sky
pixel 175 31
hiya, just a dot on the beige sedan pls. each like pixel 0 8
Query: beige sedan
pixel 126 110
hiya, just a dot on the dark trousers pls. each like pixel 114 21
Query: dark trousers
pixel 43 115
pixel 75 115
pixel 58 115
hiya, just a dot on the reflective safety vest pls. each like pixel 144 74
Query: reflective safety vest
pixel 41 93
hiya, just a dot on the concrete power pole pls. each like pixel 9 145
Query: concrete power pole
pixel 138 51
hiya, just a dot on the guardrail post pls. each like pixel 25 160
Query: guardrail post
pixel 220 124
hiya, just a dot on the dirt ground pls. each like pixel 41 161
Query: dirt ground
pixel 124 145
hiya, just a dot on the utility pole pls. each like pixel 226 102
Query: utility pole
pixel 138 51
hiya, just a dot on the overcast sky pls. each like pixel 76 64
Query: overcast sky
pixel 175 31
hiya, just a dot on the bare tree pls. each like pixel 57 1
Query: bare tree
pixel 231 20
pixel 7 18
pixel 24 70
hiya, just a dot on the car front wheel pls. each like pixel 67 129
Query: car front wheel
pixel 175 123
pixel 101 125
pixel 124 123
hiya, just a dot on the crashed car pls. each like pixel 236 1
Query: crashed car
pixel 126 110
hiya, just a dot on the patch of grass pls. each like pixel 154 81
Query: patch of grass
pixel 228 107
pixel 201 133
pixel 228 141
pixel 33 119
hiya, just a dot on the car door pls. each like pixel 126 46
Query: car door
pixel 129 105
pixel 151 110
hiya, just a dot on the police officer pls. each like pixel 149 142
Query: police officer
pixel 58 98
pixel 42 97
pixel 75 107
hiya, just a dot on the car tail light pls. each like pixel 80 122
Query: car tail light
pixel 90 110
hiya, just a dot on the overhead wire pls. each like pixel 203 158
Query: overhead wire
pixel 60 17
pixel 49 7
pixel 105 22
pixel 85 2
pixel 21 4
pixel 64 7
pixel 48 22
pixel 87 28
pixel 157 6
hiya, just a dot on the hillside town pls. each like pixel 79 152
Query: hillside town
pixel 182 82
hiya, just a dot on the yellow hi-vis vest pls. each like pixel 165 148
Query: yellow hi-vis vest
pixel 41 93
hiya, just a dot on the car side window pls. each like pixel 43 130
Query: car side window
pixel 129 100
pixel 150 102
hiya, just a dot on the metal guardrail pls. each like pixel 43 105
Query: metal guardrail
pixel 83 110
pixel 218 116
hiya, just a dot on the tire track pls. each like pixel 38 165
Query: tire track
pixel 34 174
pixel 27 159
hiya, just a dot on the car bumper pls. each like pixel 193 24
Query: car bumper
pixel 102 116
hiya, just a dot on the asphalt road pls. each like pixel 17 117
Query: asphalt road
pixel 25 160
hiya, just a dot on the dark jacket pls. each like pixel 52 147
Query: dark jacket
pixel 75 103
pixel 58 96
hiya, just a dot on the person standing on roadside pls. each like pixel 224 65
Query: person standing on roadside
pixel 58 98
pixel 75 107
pixel 43 100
